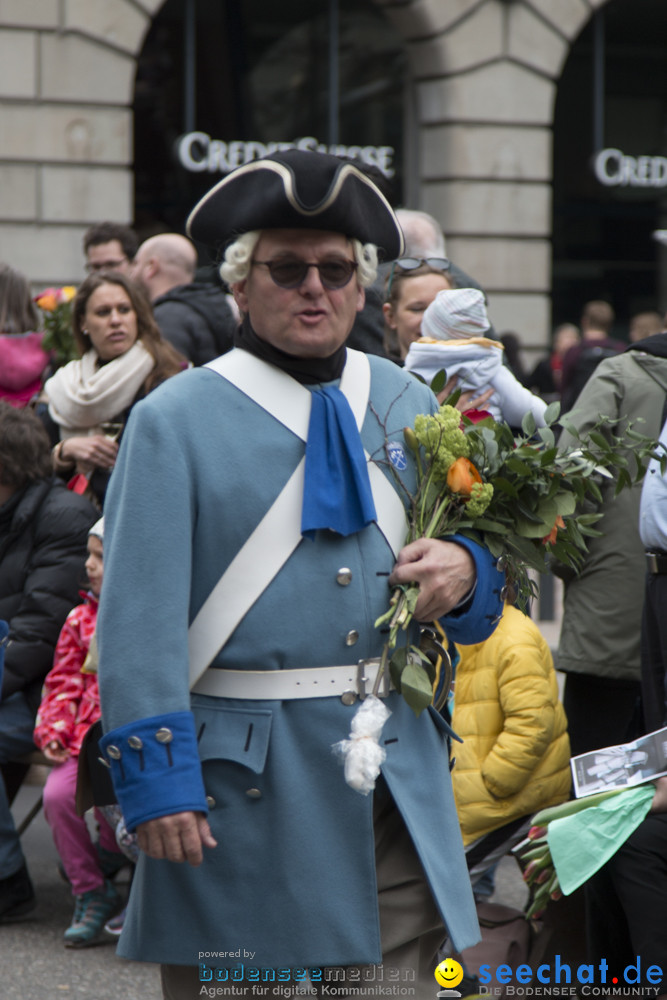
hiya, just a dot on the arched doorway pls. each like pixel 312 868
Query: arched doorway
pixel 220 82
pixel 610 165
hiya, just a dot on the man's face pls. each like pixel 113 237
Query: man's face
pixel 107 257
pixel 308 321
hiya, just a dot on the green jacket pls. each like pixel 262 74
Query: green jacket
pixel 602 611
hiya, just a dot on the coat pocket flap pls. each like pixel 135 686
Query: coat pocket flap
pixel 240 735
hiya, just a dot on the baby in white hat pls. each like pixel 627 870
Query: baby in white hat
pixel 454 329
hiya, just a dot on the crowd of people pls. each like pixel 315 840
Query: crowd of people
pixel 207 455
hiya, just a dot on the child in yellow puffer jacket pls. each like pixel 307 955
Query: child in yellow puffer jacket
pixel 515 755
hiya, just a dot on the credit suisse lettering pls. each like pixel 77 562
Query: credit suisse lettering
pixel 198 152
pixel 613 168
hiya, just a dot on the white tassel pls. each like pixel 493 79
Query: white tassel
pixel 361 752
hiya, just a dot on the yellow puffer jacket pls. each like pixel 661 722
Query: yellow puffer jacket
pixel 515 756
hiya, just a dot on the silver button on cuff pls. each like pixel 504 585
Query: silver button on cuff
pixel 253 793
pixel 114 751
pixel 344 576
pixel 352 637
pixel 135 742
pixel 210 802
pixel 164 735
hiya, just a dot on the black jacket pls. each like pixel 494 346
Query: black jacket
pixel 197 320
pixel 43 536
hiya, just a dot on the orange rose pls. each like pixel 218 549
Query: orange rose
pixel 47 301
pixel 462 476
pixel 553 534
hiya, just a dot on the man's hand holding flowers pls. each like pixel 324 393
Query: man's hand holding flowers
pixel 444 572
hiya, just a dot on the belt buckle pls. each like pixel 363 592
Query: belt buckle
pixel 652 561
pixel 363 679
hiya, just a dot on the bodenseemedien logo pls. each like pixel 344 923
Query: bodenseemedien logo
pixel 449 974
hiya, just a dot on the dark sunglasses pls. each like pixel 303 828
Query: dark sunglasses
pixel 291 272
pixel 412 263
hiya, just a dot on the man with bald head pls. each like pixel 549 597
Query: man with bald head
pixel 194 316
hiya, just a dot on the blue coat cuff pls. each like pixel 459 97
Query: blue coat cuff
pixel 155 767
pixel 477 620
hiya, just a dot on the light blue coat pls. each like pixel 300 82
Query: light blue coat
pixel 293 876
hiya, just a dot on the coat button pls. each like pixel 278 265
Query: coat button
pixel 135 742
pixel 164 735
pixel 254 793
pixel 114 752
pixel 344 576
pixel 348 697
pixel 352 637
pixel 210 802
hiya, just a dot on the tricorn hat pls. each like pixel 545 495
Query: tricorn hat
pixel 297 189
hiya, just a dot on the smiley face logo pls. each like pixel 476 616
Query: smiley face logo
pixel 449 973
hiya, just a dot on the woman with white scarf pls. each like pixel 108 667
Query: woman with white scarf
pixel 123 357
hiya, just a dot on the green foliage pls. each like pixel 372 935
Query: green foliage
pixel 55 305
pixel 537 502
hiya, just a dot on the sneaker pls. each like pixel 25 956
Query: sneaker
pixel 17 896
pixel 91 911
pixel 114 926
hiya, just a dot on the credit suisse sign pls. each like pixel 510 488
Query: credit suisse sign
pixel 198 152
pixel 613 168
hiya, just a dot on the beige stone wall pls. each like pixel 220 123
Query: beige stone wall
pixel 484 77
pixel 66 78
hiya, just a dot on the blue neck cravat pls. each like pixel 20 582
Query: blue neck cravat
pixel 337 492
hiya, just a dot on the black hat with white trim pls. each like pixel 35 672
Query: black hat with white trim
pixel 297 189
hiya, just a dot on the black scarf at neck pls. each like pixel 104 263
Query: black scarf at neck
pixel 307 371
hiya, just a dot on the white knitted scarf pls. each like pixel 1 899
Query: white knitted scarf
pixel 82 396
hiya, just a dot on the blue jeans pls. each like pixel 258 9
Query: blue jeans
pixel 17 723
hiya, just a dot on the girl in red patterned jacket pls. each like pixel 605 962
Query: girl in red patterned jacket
pixel 70 705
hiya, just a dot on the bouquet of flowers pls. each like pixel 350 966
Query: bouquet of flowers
pixel 520 496
pixel 568 843
pixel 56 308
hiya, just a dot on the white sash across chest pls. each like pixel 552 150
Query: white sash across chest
pixel 275 538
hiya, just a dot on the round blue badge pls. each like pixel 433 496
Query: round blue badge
pixel 396 455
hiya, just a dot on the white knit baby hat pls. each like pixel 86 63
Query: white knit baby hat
pixel 456 312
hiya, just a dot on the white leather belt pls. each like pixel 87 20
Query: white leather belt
pixel 347 683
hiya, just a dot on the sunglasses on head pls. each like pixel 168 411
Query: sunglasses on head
pixel 412 263
pixel 290 272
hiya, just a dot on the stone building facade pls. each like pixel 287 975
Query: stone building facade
pixel 484 76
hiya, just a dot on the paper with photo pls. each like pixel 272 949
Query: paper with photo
pixel 623 766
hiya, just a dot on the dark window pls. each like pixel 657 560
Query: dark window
pixel 258 71
pixel 603 243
